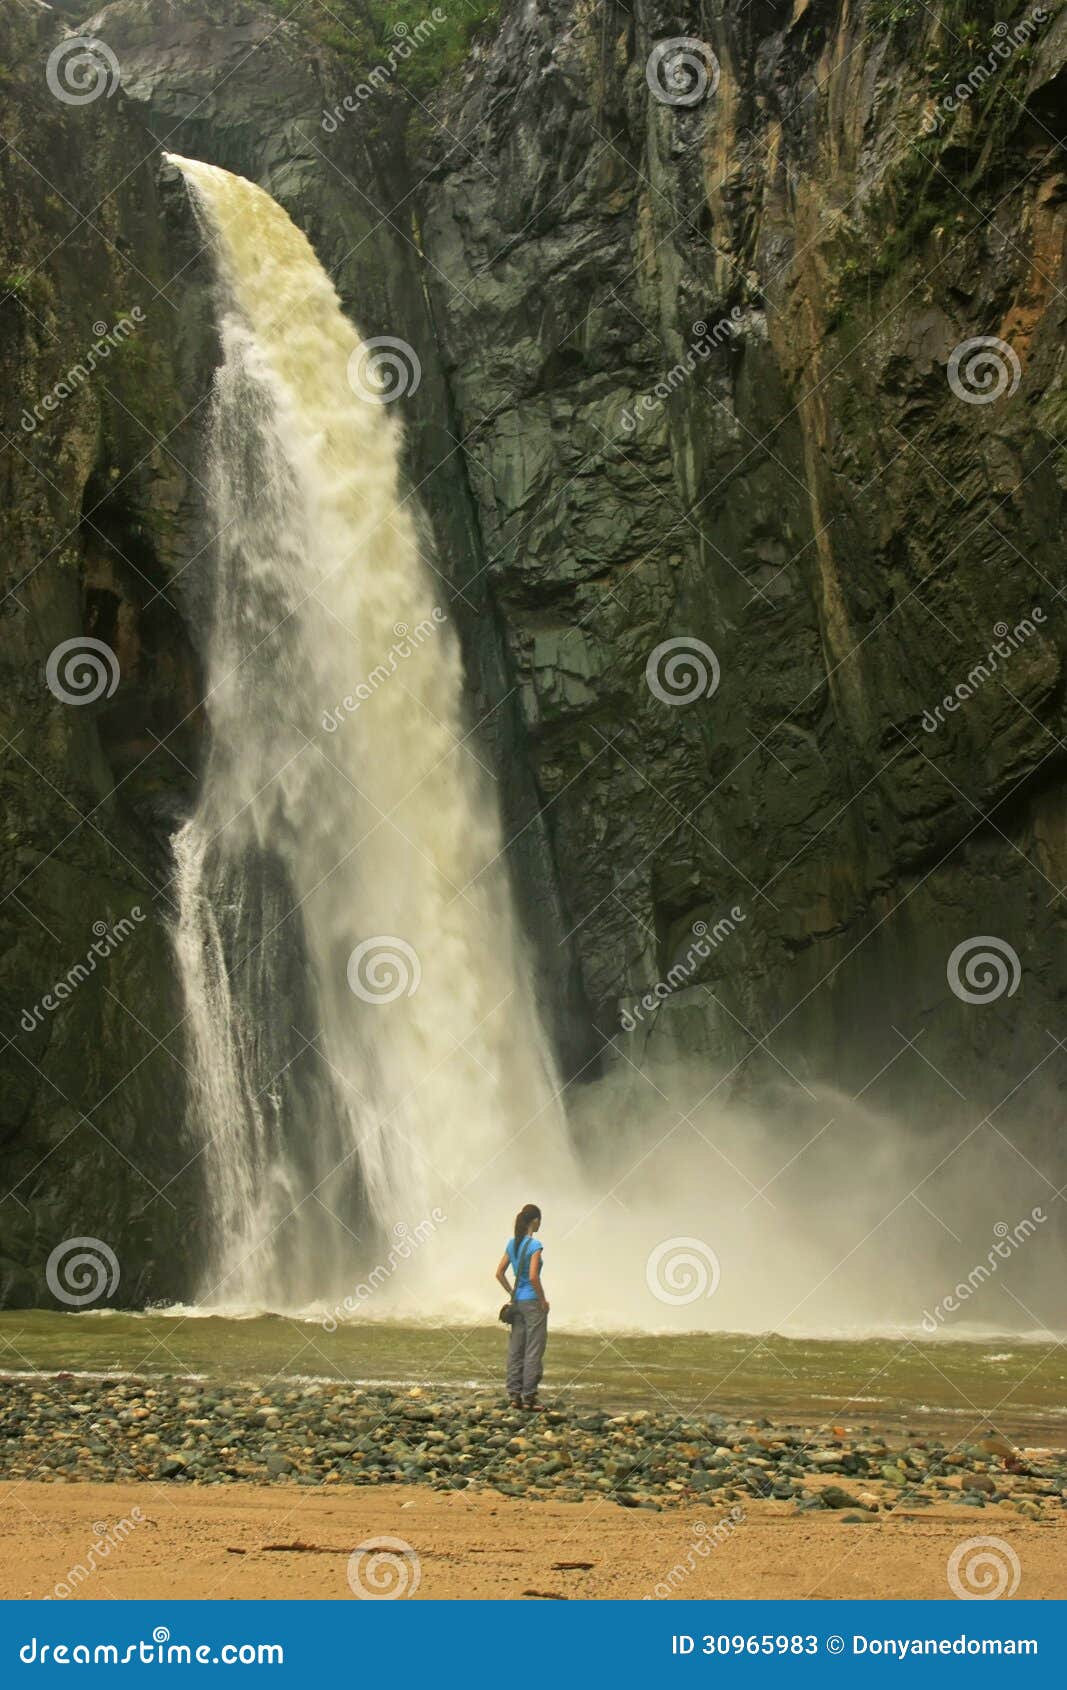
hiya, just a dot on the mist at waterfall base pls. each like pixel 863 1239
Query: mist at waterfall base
pixel 373 1098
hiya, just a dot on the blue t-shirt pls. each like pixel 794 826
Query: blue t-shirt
pixel 525 1292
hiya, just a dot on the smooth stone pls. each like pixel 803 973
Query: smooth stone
pixel 834 1497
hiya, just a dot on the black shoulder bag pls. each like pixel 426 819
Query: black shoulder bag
pixel 507 1313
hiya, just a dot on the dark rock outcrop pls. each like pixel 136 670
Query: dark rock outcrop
pixel 103 359
pixel 701 355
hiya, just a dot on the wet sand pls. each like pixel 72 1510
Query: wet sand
pixel 243 1541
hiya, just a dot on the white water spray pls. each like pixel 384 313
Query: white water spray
pixel 362 1031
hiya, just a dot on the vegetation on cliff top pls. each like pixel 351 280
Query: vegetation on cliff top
pixel 434 36
pixel 974 109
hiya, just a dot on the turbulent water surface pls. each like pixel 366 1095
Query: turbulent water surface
pixel 1016 1385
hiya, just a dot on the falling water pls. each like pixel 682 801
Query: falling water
pixel 364 1049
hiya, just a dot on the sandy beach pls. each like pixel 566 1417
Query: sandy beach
pixel 244 1542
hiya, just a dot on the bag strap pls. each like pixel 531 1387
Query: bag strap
pixel 517 1264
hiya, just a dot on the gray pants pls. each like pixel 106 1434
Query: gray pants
pixel 526 1351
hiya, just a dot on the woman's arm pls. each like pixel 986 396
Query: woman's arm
pixel 535 1279
pixel 502 1273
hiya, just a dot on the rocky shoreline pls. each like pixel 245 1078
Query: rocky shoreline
pixel 64 1429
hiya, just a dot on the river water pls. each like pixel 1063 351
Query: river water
pixel 911 1380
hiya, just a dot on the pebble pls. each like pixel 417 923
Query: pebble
pixel 337 1433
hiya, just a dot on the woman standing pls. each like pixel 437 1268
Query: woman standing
pixel 529 1327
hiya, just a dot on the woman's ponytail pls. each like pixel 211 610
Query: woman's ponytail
pixel 529 1212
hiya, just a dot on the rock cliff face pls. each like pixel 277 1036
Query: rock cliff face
pixel 689 336
pixel 102 357
pixel 700 341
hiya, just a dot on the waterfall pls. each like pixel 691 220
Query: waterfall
pixel 364 1050
pixel 370 1090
